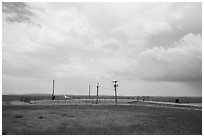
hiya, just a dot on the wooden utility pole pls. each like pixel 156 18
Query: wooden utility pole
pixel 53 90
pixel 89 91
pixel 115 84
pixel 97 87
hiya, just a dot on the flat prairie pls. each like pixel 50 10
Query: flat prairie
pixel 99 120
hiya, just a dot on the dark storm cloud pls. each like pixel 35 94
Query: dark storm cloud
pixel 16 11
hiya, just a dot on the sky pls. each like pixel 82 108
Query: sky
pixel 152 49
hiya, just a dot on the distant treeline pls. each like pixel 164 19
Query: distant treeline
pixel 28 98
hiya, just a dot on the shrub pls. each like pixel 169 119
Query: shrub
pixel 177 101
pixel 40 117
pixel 18 116
pixel 25 99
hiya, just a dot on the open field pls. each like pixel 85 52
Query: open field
pixel 99 119
pixel 61 97
pixel 43 99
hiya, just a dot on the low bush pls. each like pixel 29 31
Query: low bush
pixel 177 101
pixel 25 99
pixel 18 116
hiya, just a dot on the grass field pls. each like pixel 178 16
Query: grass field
pixel 61 97
pixel 99 119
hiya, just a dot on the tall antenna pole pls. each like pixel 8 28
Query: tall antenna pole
pixel 115 84
pixel 53 90
pixel 97 87
pixel 89 91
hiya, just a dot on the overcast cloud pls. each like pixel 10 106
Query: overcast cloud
pixel 151 48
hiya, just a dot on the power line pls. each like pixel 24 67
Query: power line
pixel 121 89
pixel 106 88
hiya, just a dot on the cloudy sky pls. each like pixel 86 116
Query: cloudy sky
pixel 150 48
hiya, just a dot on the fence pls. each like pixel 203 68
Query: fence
pixel 91 101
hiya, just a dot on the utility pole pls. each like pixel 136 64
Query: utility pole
pixel 89 91
pixel 53 90
pixel 115 84
pixel 97 87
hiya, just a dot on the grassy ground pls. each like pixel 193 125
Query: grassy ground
pixel 99 119
pixel 61 97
